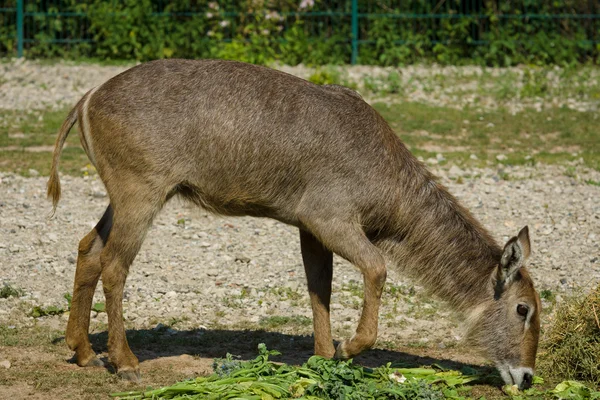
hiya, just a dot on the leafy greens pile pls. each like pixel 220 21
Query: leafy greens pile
pixel 318 378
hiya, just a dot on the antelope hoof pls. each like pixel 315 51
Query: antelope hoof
pixel 88 360
pixel 94 362
pixel 341 352
pixel 130 375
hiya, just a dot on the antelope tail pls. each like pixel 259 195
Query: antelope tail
pixel 54 181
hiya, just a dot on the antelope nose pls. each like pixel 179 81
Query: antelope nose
pixel 527 380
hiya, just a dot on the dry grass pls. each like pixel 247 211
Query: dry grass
pixel 572 343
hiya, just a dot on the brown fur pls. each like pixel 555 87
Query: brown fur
pixel 239 139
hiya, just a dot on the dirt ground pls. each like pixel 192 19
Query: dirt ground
pixel 47 371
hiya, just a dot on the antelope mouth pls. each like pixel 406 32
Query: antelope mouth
pixel 520 376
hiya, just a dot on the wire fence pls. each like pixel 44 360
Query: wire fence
pixel 28 25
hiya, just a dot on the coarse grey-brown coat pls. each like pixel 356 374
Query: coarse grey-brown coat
pixel 239 139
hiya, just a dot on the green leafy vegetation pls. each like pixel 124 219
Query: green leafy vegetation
pixel 97 307
pixel 319 33
pixel 321 378
pixel 318 378
pixel 39 311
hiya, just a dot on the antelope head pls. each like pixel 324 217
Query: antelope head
pixel 507 327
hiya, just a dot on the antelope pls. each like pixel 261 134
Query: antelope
pixel 238 139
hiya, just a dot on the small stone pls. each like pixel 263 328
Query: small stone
pixel 5 363
pixel 99 194
pixel 490 125
pixel 501 157
pixel 33 173
pixel 473 157
pixel 440 157
pixel 546 229
pixel 172 293
pixel 455 171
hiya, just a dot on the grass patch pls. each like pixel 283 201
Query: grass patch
pixel 549 136
pixel 572 343
pixel 27 140
pixel 28 337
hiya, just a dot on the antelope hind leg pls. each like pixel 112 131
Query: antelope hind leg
pixel 86 278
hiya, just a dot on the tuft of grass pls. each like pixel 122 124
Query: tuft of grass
pixel 9 291
pixel 571 172
pixel 572 344
pixel 547 295
pixel 592 182
pixel 286 293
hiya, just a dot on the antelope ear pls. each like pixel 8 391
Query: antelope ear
pixel 516 252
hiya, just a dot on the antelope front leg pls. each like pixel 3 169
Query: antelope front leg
pixel 318 264
pixel 349 241
pixel 374 276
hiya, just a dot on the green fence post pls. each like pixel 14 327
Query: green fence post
pixel 354 31
pixel 19 28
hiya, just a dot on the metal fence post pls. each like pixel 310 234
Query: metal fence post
pixel 354 31
pixel 19 28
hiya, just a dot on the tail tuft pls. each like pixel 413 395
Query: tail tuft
pixel 54 181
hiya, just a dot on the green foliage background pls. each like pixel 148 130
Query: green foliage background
pixel 392 32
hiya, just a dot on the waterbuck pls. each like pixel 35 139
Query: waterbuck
pixel 239 139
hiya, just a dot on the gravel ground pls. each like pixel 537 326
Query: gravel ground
pixel 199 269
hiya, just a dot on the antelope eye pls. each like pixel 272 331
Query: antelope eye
pixel 522 310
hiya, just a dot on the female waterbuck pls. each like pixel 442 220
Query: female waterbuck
pixel 239 139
